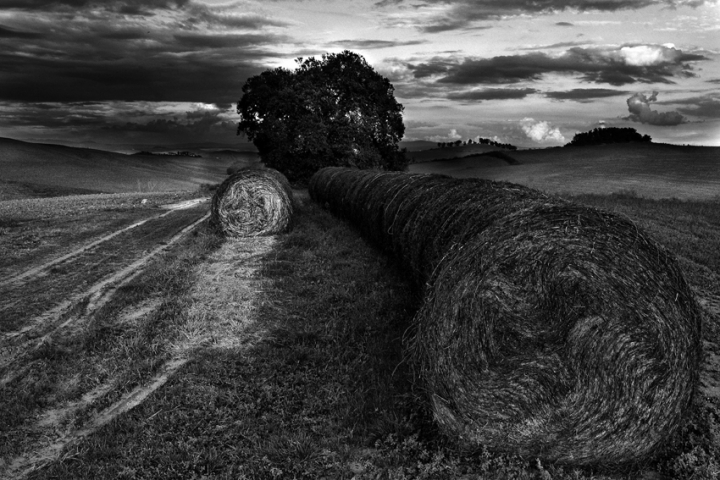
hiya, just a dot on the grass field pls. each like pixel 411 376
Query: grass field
pixel 650 170
pixel 136 343
pixel 29 169
pixel 281 357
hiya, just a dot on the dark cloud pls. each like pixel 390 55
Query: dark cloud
pixel 6 32
pixel 615 66
pixel 124 34
pixel 221 16
pixel 493 94
pixel 204 40
pixel 120 6
pixel 194 78
pixel 373 44
pixel 462 14
pixel 555 45
pixel 584 94
pixel 640 111
pixel 196 125
pixel 707 106
pixel 190 56
pixel 564 24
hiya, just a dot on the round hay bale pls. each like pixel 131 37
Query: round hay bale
pixel 252 202
pixel 560 332
pixel 546 329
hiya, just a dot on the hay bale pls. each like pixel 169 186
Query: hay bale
pixel 253 201
pixel 546 328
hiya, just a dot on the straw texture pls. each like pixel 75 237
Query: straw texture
pixel 547 328
pixel 253 201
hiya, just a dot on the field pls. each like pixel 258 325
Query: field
pixel 39 169
pixel 138 344
pixel 650 170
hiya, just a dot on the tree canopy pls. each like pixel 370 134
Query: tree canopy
pixel 334 111
pixel 599 136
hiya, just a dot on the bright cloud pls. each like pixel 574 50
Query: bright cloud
pixel 541 131
pixel 640 111
pixel 452 136
pixel 648 55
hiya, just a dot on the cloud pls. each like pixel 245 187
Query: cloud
pixel 374 44
pixel 493 94
pixel 6 32
pixel 564 24
pixel 540 131
pixel 463 14
pixel 450 137
pixel 640 111
pixel 214 41
pixel 193 53
pixel 225 16
pixel 129 7
pixel 612 65
pixel 195 125
pixel 419 124
pixel 584 94
pixel 128 122
pixel 707 106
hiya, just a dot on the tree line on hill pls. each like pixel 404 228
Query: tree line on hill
pixel 183 153
pixel 600 136
pixel 480 141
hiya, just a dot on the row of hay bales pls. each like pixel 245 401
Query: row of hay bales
pixel 252 201
pixel 547 328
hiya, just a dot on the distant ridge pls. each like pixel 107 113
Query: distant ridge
pixel 653 170
pixel 62 167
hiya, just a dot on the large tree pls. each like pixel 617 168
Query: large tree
pixel 336 111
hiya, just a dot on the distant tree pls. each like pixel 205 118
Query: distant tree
pixel 599 136
pixel 333 111
pixel 458 143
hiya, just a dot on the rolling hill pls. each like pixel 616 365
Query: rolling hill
pixel 32 167
pixel 648 169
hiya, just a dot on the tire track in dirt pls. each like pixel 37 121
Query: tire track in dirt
pixel 47 288
pixel 40 329
pixel 233 270
pixel 40 269
pixel 22 466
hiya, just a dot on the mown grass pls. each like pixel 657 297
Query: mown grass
pixel 322 391
pixel 689 229
pixel 101 349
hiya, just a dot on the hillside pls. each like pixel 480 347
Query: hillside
pixel 42 167
pixel 648 169
pixel 432 154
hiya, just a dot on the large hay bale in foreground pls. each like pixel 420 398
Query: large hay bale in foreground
pixel 251 202
pixel 547 328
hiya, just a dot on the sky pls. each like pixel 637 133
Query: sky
pixel 532 73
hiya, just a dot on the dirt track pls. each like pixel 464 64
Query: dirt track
pixel 58 297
